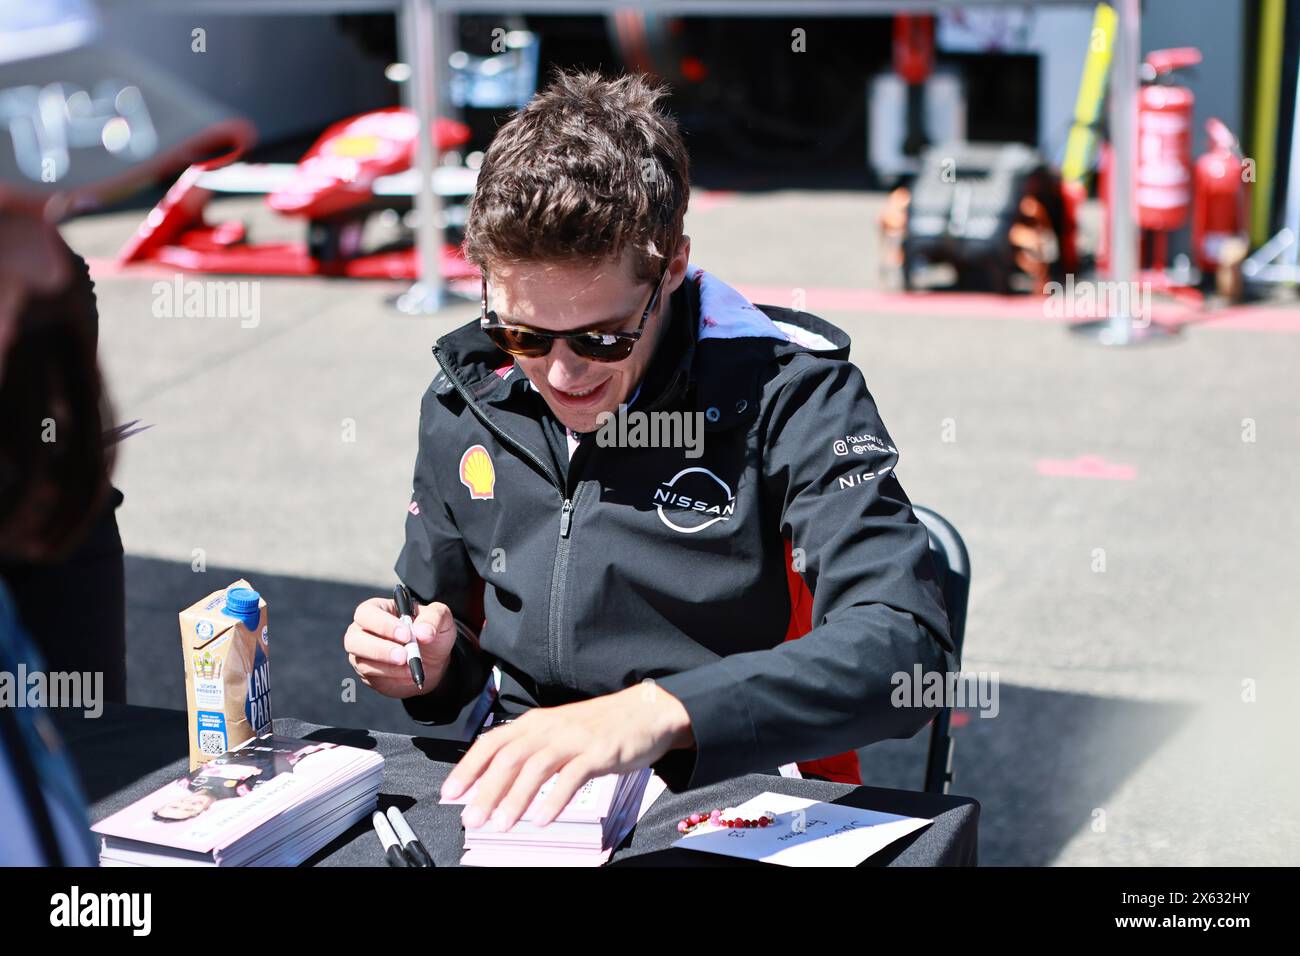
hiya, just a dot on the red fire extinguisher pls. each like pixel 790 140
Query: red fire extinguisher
pixel 1164 147
pixel 1163 178
pixel 1221 212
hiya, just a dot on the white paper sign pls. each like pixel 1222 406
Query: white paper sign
pixel 807 832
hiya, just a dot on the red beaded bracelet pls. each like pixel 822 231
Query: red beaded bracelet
pixel 714 817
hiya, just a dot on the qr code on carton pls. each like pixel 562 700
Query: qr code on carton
pixel 212 742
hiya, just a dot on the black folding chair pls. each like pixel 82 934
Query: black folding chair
pixel 952 563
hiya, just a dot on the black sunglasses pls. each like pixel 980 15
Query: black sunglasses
pixel 596 346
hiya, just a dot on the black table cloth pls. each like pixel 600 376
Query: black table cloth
pixel 129 752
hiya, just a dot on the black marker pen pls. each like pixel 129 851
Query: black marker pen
pixel 403 599
pixel 415 850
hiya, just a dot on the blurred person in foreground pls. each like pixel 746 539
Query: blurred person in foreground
pixel 732 603
pixel 71 599
pixel 49 493
pixel 82 124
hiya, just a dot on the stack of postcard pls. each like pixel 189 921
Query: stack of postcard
pixel 272 801
pixel 587 831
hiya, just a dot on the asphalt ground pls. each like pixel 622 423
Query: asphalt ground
pixel 1139 616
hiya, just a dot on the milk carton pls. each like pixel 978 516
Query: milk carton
pixel 227 671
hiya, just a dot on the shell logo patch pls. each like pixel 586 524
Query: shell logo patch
pixel 477 472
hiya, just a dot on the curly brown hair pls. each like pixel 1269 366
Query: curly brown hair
pixel 592 166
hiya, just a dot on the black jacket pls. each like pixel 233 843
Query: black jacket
pixel 638 562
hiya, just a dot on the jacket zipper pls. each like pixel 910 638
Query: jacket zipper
pixel 559 580
pixel 560 573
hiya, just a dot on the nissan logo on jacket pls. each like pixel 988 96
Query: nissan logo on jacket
pixel 774 582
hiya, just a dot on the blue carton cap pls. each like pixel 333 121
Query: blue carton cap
pixel 244 603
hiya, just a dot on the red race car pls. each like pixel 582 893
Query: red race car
pixel 358 167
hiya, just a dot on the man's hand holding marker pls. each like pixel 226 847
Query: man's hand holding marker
pixel 388 648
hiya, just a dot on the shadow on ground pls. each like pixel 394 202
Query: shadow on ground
pixel 1039 768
